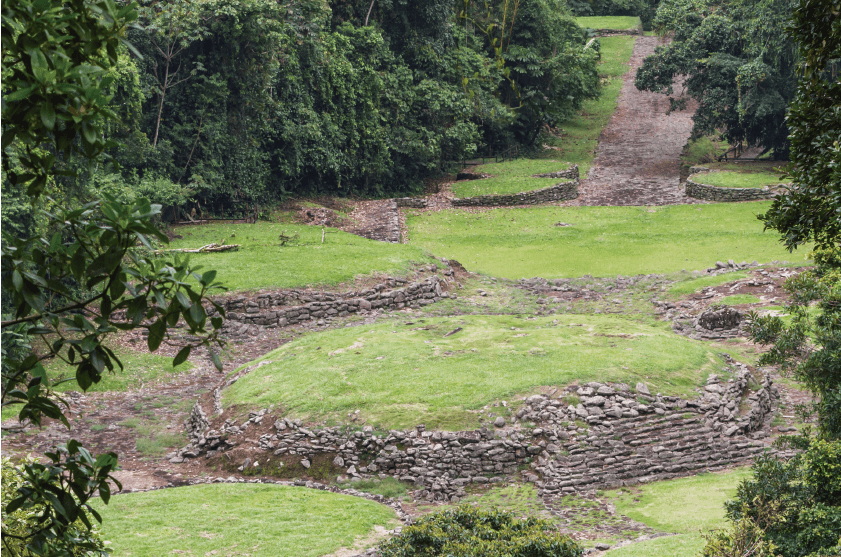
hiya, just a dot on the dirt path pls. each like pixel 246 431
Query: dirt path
pixel 638 158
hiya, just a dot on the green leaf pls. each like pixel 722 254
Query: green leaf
pixel 216 361
pixel 48 115
pixel 156 334
pixel 40 68
pixel 182 356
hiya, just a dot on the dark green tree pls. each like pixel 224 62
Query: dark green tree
pixel 80 279
pixel 739 67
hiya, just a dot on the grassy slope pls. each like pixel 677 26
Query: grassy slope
pixel 262 263
pixel 686 506
pixel 576 146
pixel 602 241
pixel 732 179
pixel 511 177
pixel 401 374
pixel 609 22
pixel 238 519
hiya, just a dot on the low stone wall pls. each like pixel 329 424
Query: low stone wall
pixel 571 173
pixel 559 192
pixel 413 202
pixel 610 32
pixel 715 193
pixel 614 436
pixel 287 307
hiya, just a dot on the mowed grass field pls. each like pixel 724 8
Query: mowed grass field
pixel 239 519
pixel 262 262
pixel 402 373
pixel 684 506
pixel 601 241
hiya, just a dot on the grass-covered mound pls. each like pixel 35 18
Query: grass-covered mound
pixel 619 22
pixel 511 177
pixel 734 179
pixel 239 519
pixel 262 262
pixel 399 373
pixel 601 241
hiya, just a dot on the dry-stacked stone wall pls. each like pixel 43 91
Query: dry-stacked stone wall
pixel 715 193
pixel 612 436
pixel 413 202
pixel 288 307
pixel 559 192
pixel 611 32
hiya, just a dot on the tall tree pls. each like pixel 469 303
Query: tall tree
pixel 83 280
pixel 739 67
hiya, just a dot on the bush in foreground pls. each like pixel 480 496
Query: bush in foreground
pixel 19 525
pixel 470 532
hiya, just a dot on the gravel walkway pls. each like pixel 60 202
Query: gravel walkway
pixel 638 157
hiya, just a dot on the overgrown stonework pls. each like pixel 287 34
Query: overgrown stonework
pixel 288 307
pixel 613 436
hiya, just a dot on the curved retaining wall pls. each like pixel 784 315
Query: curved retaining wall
pixel 559 192
pixel 279 309
pixel 715 193
pixel 614 436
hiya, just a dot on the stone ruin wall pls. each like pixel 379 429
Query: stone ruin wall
pixel 629 437
pixel 558 192
pixel 289 307
pixel 715 193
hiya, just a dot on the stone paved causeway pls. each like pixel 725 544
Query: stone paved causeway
pixel 638 157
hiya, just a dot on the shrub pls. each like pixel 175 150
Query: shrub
pixel 24 521
pixel 796 503
pixel 471 532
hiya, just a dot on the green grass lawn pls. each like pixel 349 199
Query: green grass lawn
pixel 686 506
pixel 732 179
pixel 511 177
pixel 681 506
pixel 683 545
pixel 609 22
pixel 399 374
pixel 602 241
pixel 139 368
pixel 238 519
pixel 262 262
pixel 616 53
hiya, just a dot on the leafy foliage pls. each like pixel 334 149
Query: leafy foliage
pixel 797 504
pixel 739 67
pixel 82 537
pixel 811 209
pixel 471 532
pixel 77 278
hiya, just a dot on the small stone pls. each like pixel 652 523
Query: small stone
pixel 338 461
pixel 499 421
pixel 642 389
pixel 305 463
